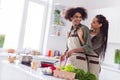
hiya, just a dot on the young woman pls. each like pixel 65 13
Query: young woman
pixel 99 37
pixel 79 41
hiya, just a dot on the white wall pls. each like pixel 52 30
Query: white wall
pixel 113 17
pixel 110 53
pixel 89 4
pixel 106 7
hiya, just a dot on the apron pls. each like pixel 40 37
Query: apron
pixel 93 63
pixel 93 58
pixel 78 60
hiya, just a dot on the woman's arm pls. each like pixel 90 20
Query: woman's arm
pixel 88 45
pixel 86 48
pixel 76 50
pixel 68 34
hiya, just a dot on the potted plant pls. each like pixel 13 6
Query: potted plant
pixel 117 57
pixel 2 39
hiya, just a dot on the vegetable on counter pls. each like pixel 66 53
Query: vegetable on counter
pixel 49 70
pixel 80 74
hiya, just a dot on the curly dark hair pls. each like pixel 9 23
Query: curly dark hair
pixel 70 13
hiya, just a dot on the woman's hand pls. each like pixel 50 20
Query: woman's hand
pixel 69 53
pixel 62 57
pixel 80 33
pixel 68 34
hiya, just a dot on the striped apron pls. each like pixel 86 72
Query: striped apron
pixel 93 63
pixel 78 60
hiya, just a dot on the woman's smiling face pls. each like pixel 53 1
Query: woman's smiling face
pixel 95 24
pixel 76 19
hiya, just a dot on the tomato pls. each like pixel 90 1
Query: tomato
pixel 52 68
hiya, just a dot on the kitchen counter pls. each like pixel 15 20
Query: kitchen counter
pixel 21 72
pixel 12 71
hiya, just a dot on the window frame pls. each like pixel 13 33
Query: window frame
pixel 24 20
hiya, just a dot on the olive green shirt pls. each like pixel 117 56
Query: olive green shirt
pixel 87 39
pixel 97 42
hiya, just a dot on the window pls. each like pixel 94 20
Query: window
pixel 24 23
pixel 10 21
pixel 34 26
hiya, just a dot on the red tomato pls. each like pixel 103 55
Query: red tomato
pixel 52 68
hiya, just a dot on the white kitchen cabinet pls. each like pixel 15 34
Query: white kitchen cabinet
pixel 3 56
pixel 108 73
pixel 16 72
pixel 11 73
pixel 30 78
pixel 20 72
pixel 19 75
pixel 6 73
pixel 33 75
pixel 33 78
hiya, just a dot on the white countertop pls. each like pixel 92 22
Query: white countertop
pixel 27 70
pixel 50 59
pixel 38 74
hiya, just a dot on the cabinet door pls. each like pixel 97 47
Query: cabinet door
pixel 34 75
pixel 31 78
pixel 11 72
pixel 107 74
pixel 19 75
pixel 6 73
pixel 3 57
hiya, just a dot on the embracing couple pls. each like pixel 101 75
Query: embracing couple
pixel 86 48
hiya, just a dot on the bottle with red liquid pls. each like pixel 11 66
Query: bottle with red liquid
pixel 50 53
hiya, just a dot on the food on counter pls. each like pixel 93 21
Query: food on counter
pixel 64 74
pixel 69 68
pixel 56 57
pixel 26 60
pixel 79 73
pixel 34 52
pixel 46 64
pixel 50 53
pixel 11 50
pixel 56 53
pixel 53 68
pixel 49 70
pixel 11 59
pixel 34 65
